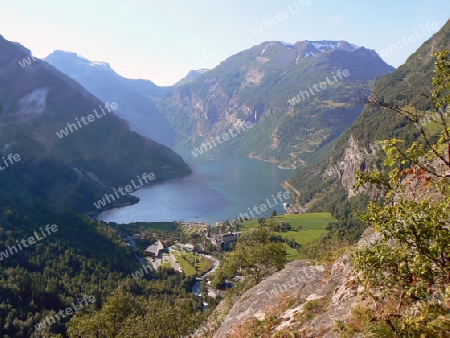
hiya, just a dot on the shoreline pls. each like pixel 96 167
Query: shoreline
pixel 95 214
pixel 209 218
pixel 132 199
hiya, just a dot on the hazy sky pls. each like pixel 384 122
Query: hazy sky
pixel 161 40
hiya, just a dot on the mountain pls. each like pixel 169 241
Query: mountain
pixel 135 98
pixel 296 98
pixel 327 183
pixel 63 146
pixel 62 150
pixel 191 77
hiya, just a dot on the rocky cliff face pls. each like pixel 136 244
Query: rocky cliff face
pixel 355 158
pixel 301 298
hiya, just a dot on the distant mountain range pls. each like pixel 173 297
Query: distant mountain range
pixel 134 97
pixel 275 86
pixel 294 94
pixel 98 153
pixel 137 99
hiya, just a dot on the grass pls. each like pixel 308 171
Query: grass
pixel 313 309
pixel 334 104
pixel 193 265
pixel 302 236
pixel 291 254
pixel 312 227
pixel 188 269
pixel 308 221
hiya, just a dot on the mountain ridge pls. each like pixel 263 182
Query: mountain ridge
pixel 36 101
pixel 256 84
pixel 136 97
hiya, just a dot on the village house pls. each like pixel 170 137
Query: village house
pixel 224 240
pixel 155 250
pixel 291 209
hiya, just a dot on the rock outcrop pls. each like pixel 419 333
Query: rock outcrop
pixel 355 158
pixel 301 298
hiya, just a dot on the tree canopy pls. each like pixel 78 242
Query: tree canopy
pixel 254 258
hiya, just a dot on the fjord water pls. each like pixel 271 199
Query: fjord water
pixel 221 187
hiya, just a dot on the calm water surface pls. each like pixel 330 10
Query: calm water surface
pixel 221 187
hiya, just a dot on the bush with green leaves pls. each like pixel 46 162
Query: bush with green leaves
pixel 254 258
pixel 406 271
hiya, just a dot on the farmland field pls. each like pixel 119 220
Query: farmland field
pixel 305 228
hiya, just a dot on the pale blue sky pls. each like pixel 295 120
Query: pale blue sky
pixel 161 40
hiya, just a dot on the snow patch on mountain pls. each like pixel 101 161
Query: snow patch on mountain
pixel 325 46
pixel 79 56
pixel 314 48
pixel 104 65
pixel 264 50
pixel 287 44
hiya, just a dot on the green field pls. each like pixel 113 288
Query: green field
pixel 313 226
pixel 291 254
pixel 188 269
pixel 193 265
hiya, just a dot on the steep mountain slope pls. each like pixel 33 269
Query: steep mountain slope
pixel 327 183
pixel 72 171
pixel 134 97
pixel 297 97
